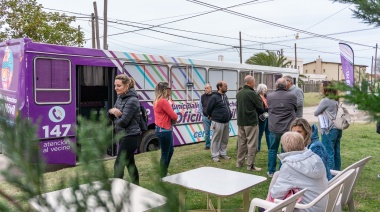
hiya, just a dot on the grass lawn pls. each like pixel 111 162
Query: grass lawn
pixel 359 141
pixel 312 99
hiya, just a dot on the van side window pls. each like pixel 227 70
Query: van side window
pixel 52 81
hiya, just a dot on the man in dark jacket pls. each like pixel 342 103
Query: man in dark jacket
pixel 248 101
pixel 218 109
pixel 282 106
pixel 203 102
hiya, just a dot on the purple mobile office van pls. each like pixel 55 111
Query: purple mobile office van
pixel 55 84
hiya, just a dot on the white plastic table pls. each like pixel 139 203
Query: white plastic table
pixel 134 198
pixel 219 182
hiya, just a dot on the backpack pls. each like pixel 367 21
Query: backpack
pixel 143 122
pixel 343 118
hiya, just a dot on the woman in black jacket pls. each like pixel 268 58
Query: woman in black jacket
pixel 125 114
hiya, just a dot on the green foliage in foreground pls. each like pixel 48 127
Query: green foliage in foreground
pixel 22 148
pixel 359 141
pixel 366 97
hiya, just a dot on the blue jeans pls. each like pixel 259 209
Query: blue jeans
pixel 272 152
pixel 331 141
pixel 206 126
pixel 263 127
pixel 165 138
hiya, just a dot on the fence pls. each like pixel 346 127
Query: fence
pixel 311 87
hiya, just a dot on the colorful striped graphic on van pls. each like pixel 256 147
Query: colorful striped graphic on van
pixel 178 63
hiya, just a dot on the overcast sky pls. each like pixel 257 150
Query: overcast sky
pixel 187 37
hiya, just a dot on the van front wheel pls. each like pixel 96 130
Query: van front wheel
pixel 149 142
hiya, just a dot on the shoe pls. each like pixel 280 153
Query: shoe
pixel 253 168
pixel 216 159
pixel 225 157
pixel 207 148
pixel 270 175
pixel 239 166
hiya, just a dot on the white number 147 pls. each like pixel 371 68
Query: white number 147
pixel 56 131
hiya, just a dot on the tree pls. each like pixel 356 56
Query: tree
pixel 368 11
pixel 268 58
pixel 366 97
pixel 25 18
pixel 300 79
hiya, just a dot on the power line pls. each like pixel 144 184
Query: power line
pixel 327 17
pixel 163 39
pixel 285 36
pixel 181 36
pixel 272 23
pixel 160 26
pixel 154 26
pixel 336 33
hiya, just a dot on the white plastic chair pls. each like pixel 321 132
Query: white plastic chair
pixel 347 195
pixel 332 193
pixel 286 205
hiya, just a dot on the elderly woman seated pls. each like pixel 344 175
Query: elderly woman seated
pixel 301 168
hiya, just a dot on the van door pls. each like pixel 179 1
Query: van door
pixel 232 79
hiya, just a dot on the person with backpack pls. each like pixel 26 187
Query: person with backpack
pixel 125 114
pixel 331 135
pixel 143 119
pixel 165 117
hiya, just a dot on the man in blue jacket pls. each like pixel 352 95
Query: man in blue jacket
pixel 218 110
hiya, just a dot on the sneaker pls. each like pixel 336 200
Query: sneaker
pixel 225 157
pixel 207 148
pixel 253 168
pixel 238 165
pixel 216 159
pixel 270 175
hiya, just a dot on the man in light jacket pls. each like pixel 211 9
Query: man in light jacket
pixel 291 87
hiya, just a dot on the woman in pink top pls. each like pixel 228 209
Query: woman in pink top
pixel 164 117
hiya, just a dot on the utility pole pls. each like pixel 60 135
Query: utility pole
pixel 295 56
pixel 371 70
pixel 97 26
pixel 374 69
pixel 93 29
pixel 78 35
pixel 105 44
pixel 241 53
pixel 295 53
